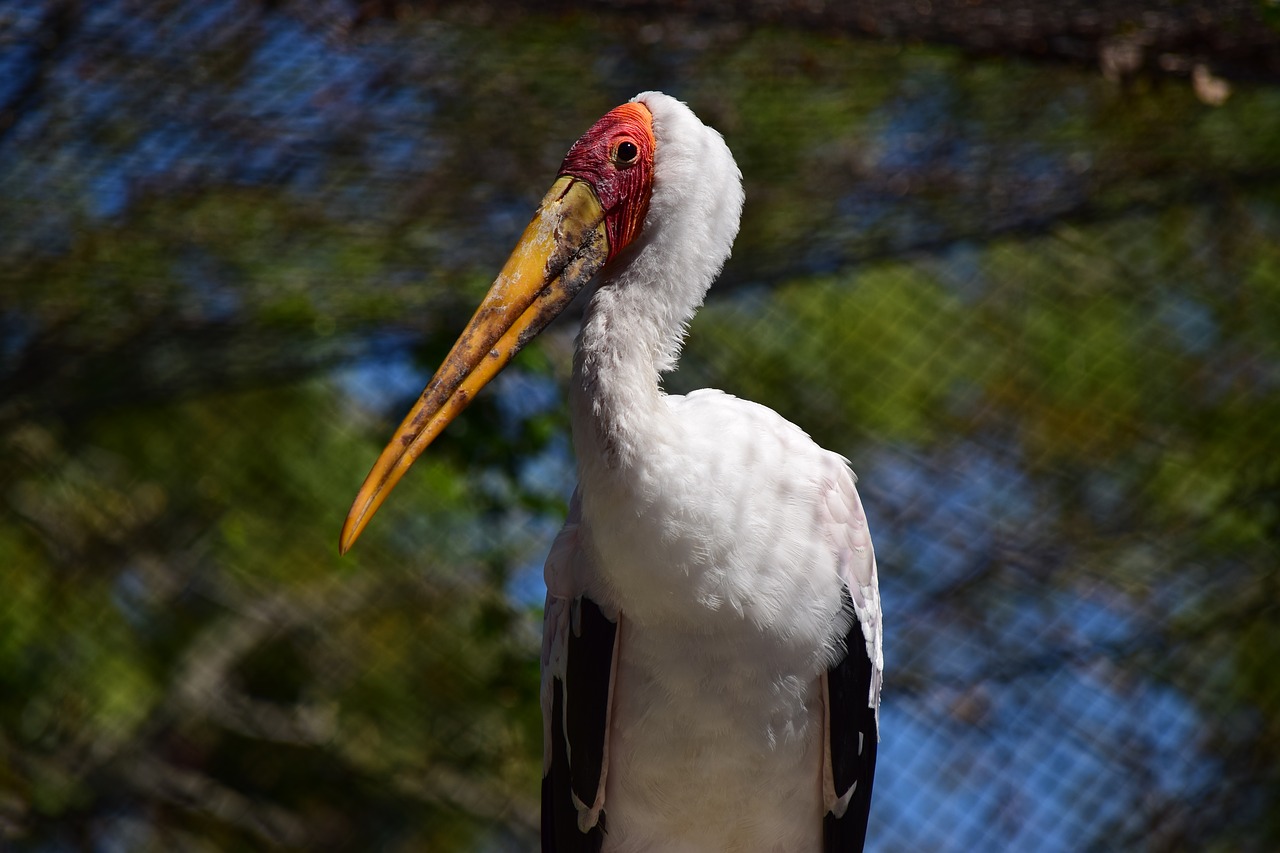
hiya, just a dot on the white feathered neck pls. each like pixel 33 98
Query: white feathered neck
pixel 636 319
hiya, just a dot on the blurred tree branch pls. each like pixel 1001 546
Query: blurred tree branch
pixel 45 43
pixel 206 687
pixel 1236 39
pixel 192 791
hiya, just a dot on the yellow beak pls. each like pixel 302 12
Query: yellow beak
pixel 557 255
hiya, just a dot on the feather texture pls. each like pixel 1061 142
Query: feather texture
pixel 731 553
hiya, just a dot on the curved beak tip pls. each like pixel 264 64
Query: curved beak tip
pixel 561 249
pixel 351 528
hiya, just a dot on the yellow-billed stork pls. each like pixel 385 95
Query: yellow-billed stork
pixel 712 648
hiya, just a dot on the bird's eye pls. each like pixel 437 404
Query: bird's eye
pixel 626 153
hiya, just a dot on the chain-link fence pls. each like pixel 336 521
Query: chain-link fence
pixel 1037 304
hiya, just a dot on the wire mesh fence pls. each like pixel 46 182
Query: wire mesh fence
pixel 1037 306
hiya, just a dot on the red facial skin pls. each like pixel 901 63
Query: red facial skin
pixel 623 185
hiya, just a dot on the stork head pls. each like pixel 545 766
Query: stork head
pixel 595 208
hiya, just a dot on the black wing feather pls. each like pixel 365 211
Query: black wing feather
pixel 579 723
pixel 853 739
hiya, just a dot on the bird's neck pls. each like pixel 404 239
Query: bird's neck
pixel 635 322
pixel 615 400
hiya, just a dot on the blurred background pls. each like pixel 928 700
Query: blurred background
pixel 1019 260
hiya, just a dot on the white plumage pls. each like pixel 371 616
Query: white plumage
pixel 715 562
pixel 717 532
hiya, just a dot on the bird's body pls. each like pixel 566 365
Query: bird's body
pixel 717 729
pixel 712 654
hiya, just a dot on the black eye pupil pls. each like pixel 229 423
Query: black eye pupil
pixel 627 152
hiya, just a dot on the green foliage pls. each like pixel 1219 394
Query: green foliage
pixel 111 641
pixel 181 648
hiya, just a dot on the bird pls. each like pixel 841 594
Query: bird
pixel 712 650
